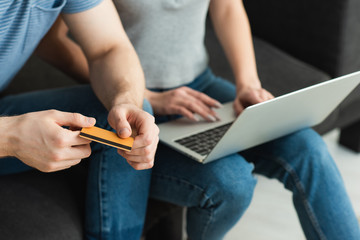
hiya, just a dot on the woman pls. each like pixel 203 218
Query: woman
pixel 169 38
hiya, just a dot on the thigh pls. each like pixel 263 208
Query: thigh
pixel 11 165
pixel 79 99
pixel 183 181
pixel 295 156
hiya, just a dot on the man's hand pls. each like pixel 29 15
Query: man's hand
pixel 123 118
pixel 39 139
pixel 184 101
pixel 248 96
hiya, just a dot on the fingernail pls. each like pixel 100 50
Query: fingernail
pixel 218 105
pixel 91 120
pixel 212 118
pixel 124 131
pixel 197 118
pixel 215 114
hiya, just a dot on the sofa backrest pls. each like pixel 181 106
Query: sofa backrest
pixel 324 33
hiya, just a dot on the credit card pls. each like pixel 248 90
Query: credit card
pixel 107 137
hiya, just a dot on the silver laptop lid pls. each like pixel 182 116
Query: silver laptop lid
pixel 265 121
pixel 283 115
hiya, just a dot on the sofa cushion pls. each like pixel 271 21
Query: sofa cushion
pixel 37 205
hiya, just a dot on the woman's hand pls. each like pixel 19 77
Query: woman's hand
pixel 184 101
pixel 248 96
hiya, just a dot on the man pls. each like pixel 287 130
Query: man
pixel 40 129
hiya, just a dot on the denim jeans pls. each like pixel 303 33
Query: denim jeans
pixel 218 193
pixel 116 193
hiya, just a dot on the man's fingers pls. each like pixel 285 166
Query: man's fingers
pixel 123 129
pixel 119 122
pixel 67 138
pixel 141 166
pixel 73 119
pixel 147 134
pixel 141 158
pixel 145 126
pixel 137 159
pixel 137 162
pixel 70 153
pixel 66 158
pixel 148 150
pixel 57 166
pixel 79 152
pixel 144 140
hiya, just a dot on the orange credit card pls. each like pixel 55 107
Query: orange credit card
pixel 106 137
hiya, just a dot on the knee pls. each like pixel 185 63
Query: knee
pixel 312 145
pixel 234 192
pixel 316 157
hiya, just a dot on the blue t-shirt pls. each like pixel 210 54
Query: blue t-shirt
pixel 23 23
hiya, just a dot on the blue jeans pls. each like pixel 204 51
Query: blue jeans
pixel 218 193
pixel 116 193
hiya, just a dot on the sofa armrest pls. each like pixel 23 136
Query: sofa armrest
pixel 323 33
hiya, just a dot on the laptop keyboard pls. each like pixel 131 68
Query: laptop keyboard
pixel 203 142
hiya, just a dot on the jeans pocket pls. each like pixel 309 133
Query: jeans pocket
pixel 41 18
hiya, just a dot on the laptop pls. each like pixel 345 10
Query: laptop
pixel 207 141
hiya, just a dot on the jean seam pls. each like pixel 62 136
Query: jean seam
pixel 302 193
pixel 101 194
pixel 101 182
pixel 172 178
pixel 208 223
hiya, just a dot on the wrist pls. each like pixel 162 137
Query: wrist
pixel 7 138
pixel 126 99
pixel 248 82
pixel 150 96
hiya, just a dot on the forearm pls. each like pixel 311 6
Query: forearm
pixel 115 71
pixel 5 138
pixel 117 77
pixel 63 53
pixel 68 58
pixel 233 30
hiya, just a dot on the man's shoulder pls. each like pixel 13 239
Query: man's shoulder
pixel 75 6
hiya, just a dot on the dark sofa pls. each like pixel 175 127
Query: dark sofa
pixel 297 43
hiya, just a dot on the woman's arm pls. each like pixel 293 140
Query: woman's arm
pixel 233 30
pixel 63 53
